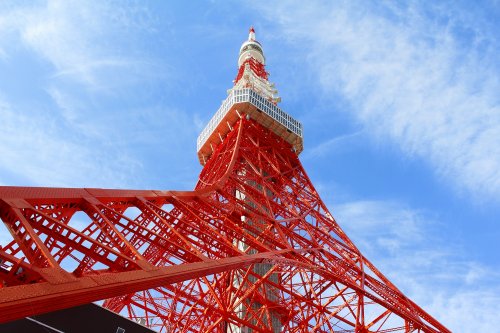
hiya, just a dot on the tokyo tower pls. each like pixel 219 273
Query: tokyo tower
pixel 252 248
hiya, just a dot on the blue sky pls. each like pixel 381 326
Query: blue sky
pixel 400 105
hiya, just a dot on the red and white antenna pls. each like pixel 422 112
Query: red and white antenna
pixel 251 69
pixel 251 34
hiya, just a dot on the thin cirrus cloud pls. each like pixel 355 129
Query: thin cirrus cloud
pixel 402 243
pixel 324 148
pixel 36 146
pixel 423 79
pixel 34 151
pixel 81 40
pixel 86 50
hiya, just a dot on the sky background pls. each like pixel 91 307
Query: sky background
pixel 400 105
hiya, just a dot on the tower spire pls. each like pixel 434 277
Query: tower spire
pixel 251 69
pixel 251 48
pixel 254 96
pixel 251 33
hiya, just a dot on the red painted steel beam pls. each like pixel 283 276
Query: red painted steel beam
pixel 28 300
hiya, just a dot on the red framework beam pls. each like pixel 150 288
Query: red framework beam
pixel 32 299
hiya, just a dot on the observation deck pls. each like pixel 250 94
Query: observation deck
pixel 247 102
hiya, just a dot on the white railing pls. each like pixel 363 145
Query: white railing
pixel 247 95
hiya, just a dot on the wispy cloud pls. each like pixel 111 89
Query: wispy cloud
pixel 381 225
pixel 84 41
pixel 327 146
pixel 424 78
pixel 69 147
pixel 101 109
pixel 404 244
pixel 34 150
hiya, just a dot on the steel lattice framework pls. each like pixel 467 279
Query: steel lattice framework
pixel 180 251
pixel 251 249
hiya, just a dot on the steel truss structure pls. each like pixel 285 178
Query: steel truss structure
pixel 254 231
pixel 252 249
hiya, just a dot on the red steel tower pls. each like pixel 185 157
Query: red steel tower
pixel 251 249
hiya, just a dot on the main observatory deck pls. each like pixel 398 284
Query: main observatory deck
pixel 246 101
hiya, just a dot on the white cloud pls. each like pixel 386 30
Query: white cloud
pixel 380 225
pixel 426 81
pixel 37 151
pixel 68 106
pixel 405 245
pixel 327 146
pixel 468 311
pixel 77 134
pixel 88 42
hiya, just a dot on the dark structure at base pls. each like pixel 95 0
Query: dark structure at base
pixel 80 319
